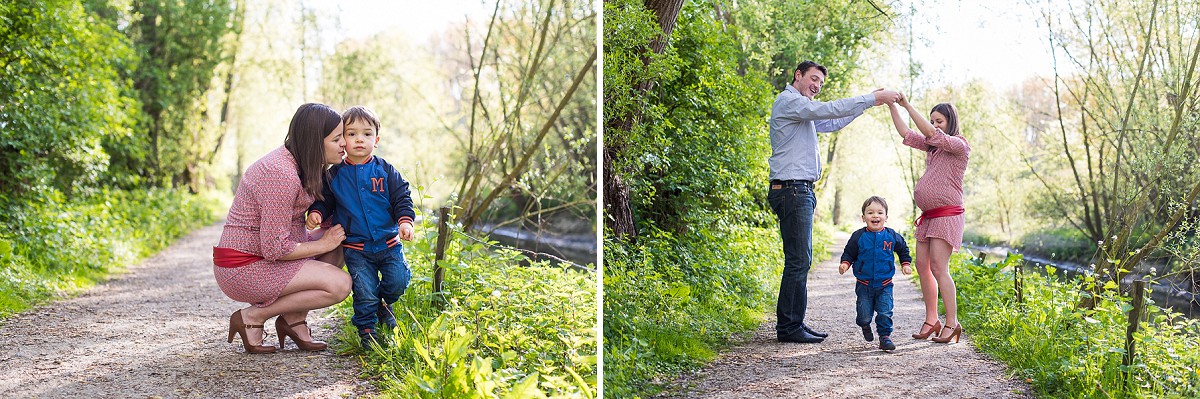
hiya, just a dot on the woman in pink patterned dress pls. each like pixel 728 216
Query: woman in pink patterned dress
pixel 939 194
pixel 264 257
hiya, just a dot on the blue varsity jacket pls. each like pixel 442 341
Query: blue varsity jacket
pixel 370 200
pixel 872 255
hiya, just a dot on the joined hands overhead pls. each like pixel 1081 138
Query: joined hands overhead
pixel 883 96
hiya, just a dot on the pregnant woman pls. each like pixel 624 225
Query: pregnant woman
pixel 264 257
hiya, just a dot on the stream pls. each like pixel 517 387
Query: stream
pixel 576 248
pixel 1165 292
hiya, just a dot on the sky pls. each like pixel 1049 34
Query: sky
pixel 1000 42
pixel 419 19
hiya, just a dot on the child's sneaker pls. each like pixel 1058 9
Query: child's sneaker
pixel 867 334
pixel 367 336
pixel 886 343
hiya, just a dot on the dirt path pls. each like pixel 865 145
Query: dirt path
pixel 159 331
pixel 846 366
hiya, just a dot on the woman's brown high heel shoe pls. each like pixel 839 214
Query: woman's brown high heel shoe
pixel 953 335
pixel 236 326
pixel 936 326
pixel 285 330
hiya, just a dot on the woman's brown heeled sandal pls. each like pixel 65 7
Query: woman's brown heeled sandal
pixel 957 332
pixel 237 326
pixel 935 327
pixel 285 330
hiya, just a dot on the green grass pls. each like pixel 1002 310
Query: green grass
pixel 506 330
pixel 672 302
pixel 1066 351
pixel 55 246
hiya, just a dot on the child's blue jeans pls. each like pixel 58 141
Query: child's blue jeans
pixel 366 270
pixel 877 301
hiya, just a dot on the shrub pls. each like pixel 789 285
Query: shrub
pixel 504 330
pixel 55 244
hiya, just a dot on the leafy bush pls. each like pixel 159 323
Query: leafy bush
pixel 60 244
pixel 671 301
pixel 505 330
pixel 1068 351
pixel 60 95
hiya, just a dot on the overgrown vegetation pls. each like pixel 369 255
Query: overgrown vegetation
pixel 1069 351
pixel 55 244
pixel 506 331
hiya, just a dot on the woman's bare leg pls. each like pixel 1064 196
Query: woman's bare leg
pixel 929 286
pixel 317 285
pixel 939 264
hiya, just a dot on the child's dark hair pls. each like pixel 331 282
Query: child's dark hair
pixel 875 198
pixel 361 112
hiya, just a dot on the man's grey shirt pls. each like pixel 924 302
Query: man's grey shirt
pixel 795 121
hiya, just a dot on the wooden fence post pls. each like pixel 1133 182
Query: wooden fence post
pixel 439 254
pixel 1017 282
pixel 1135 318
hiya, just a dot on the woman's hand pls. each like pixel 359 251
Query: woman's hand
pixel 333 238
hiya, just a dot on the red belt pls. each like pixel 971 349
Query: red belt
pixel 941 211
pixel 229 257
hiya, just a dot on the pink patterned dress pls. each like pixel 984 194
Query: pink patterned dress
pixel 266 219
pixel 941 185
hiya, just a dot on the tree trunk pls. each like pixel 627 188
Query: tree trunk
pixel 617 198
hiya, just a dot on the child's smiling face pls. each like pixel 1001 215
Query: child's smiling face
pixel 875 216
pixel 361 138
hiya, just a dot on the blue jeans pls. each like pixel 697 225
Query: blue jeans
pixel 877 300
pixel 365 270
pixel 794 205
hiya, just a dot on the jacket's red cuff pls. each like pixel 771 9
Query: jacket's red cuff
pixel 405 219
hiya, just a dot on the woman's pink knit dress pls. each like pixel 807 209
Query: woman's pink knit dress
pixel 941 185
pixel 266 219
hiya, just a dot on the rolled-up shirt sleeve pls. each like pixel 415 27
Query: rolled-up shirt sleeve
pixel 915 140
pixel 952 144
pixel 275 224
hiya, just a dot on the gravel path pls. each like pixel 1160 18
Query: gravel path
pixel 845 365
pixel 159 331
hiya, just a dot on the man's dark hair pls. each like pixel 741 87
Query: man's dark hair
pixel 874 198
pixel 803 67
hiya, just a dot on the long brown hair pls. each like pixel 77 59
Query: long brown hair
pixel 305 140
pixel 951 114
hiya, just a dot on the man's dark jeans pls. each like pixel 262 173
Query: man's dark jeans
pixel 365 270
pixel 794 205
pixel 876 301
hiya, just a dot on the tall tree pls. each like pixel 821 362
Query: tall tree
pixel 179 45
pixel 1124 135
pixel 635 61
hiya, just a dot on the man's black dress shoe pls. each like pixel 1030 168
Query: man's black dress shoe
pixel 810 331
pixel 802 337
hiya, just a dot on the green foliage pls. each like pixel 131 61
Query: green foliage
pixel 778 35
pixel 179 45
pixel 506 330
pixel 671 301
pixel 60 95
pixel 55 244
pixel 1066 351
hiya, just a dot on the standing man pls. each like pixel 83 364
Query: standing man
pixel 795 164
